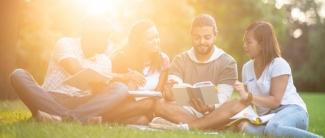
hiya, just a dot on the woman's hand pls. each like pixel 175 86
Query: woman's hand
pixel 135 77
pixel 198 105
pixel 240 87
pixel 132 86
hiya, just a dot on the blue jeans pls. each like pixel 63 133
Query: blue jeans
pixel 289 121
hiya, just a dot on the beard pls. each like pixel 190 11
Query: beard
pixel 203 49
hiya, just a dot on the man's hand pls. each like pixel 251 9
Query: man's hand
pixel 201 107
pixel 167 93
pixel 133 78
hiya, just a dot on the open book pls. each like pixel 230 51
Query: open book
pixel 250 115
pixel 153 85
pixel 205 91
pixel 84 78
pixel 145 93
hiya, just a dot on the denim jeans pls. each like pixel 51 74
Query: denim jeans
pixel 289 121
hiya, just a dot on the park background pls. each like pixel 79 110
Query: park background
pixel 29 30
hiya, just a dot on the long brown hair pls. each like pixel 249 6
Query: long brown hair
pixel 134 47
pixel 263 33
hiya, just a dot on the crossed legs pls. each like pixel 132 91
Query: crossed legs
pixel 132 112
pixel 217 119
pixel 37 99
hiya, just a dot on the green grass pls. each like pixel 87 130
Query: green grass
pixel 15 122
pixel 316 108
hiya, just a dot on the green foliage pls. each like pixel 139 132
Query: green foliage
pixel 312 73
pixel 309 72
pixel 43 22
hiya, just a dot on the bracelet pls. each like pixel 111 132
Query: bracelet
pixel 248 99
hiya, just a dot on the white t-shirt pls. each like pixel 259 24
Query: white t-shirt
pixel 261 86
pixel 152 77
pixel 71 48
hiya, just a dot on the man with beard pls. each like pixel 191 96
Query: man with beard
pixel 203 62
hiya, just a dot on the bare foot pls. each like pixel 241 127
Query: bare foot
pixel 94 120
pixel 46 117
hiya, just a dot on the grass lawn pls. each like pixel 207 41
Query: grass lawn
pixel 15 122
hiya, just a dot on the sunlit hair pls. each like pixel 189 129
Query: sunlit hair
pixel 138 31
pixel 263 33
pixel 135 45
pixel 204 20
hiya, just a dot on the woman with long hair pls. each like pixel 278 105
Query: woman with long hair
pixel 144 67
pixel 268 77
pixel 142 54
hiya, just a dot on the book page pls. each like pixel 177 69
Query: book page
pixel 266 118
pixel 203 84
pixel 205 91
pixel 181 96
pixel 85 77
pixel 247 113
pixel 145 93
pixel 210 95
pixel 182 85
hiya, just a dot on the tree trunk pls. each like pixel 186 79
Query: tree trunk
pixel 9 16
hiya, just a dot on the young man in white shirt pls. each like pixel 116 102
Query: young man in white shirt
pixel 71 55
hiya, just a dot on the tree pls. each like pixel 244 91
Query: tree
pixel 305 52
pixel 9 13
